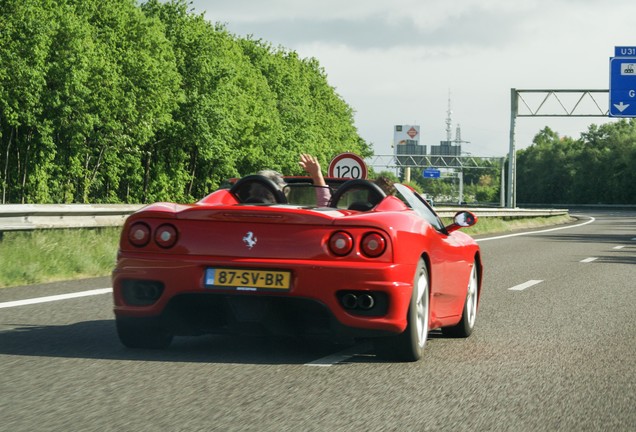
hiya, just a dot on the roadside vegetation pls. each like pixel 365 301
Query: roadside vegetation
pixel 123 101
pixel 493 225
pixel 35 257
pixel 49 255
pixel 596 168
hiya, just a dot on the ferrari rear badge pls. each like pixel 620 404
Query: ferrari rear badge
pixel 250 240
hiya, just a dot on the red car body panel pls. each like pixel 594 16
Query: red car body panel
pixel 212 234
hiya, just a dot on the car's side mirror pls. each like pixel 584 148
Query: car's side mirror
pixel 463 219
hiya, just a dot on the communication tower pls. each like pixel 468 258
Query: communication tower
pixel 450 147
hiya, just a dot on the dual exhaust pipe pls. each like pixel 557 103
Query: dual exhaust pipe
pixel 359 301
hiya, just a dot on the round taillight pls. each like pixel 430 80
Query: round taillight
pixel 340 243
pixel 166 236
pixel 373 245
pixel 139 234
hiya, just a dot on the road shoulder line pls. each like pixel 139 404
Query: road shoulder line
pixel 535 232
pixel 46 299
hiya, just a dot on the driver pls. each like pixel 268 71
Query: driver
pixel 260 194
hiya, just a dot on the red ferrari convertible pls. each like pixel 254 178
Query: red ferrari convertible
pixel 365 266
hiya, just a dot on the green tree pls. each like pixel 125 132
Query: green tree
pixel 109 101
pixel 136 62
pixel 606 163
pixel 26 31
pixel 544 169
pixel 314 118
pixel 81 99
pixel 597 168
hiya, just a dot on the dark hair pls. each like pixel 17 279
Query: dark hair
pixel 386 184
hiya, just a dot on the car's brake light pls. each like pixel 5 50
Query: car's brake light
pixel 166 236
pixel 340 243
pixel 373 245
pixel 139 234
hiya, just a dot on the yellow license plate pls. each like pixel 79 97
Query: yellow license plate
pixel 247 279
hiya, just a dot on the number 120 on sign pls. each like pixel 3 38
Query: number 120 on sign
pixel 348 165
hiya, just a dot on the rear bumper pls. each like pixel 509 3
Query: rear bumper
pixel 314 292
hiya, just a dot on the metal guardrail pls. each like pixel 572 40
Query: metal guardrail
pixel 27 217
pixel 502 212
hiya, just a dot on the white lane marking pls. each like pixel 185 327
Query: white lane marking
pixel 536 232
pixel 589 260
pixel 618 247
pixel 524 285
pixel 341 356
pixel 55 298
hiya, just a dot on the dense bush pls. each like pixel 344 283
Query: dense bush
pixel 112 101
pixel 600 167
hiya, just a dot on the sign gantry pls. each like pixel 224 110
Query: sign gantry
pixel 433 161
pixel 559 103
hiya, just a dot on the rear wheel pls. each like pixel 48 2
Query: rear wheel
pixel 142 333
pixel 465 327
pixel 409 345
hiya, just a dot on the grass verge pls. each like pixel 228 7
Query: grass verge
pixel 493 225
pixel 34 257
pixel 49 255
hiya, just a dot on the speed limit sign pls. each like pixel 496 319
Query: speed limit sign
pixel 348 165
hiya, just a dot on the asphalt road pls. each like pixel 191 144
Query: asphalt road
pixel 555 353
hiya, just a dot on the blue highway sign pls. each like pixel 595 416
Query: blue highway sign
pixel 431 173
pixel 622 89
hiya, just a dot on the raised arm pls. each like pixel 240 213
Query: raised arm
pixel 311 165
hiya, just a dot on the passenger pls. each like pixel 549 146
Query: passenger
pixel 323 193
pixel 311 165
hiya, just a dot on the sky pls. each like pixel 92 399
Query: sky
pixel 397 61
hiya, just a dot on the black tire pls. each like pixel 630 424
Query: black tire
pixel 409 345
pixel 142 333
pixel 466 325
